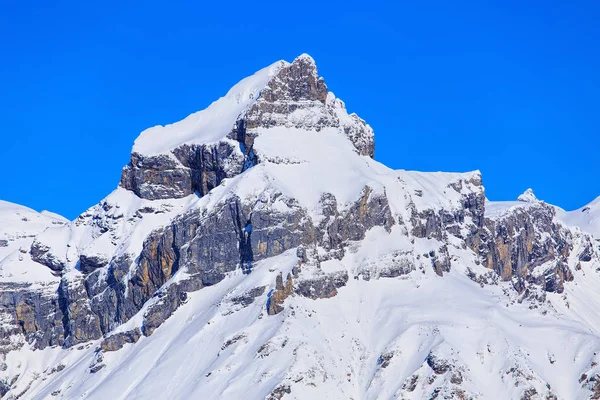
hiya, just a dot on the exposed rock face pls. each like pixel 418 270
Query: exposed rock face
pixel 438 365
pixel 528 196
pixel 592 383
pixel 527 246
pixel 238 234
pixel 234 235
pixel 441 376
pixel 321 286
pixel 189 169
pixel 249 297
pixel 118 340
pixel 35 314
pixel 297 82
pixel 169 300
pixel 230 237
pixel 42 254
pixel 107 294
pixel 437 224
pixel 337 228
pixel 279 392
pixel 276 299
pixel 91 263
pixel 81 324
pixel 296 97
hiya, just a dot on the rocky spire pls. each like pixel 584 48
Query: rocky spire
pixel 298 81
pixel 528 196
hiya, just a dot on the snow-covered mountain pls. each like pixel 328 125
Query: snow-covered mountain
pixel 256 250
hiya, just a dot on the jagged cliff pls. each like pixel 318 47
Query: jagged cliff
pixel 280 260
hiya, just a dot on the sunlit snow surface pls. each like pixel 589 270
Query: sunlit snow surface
pixel 18 227
pixel 210 124
pixel 587 217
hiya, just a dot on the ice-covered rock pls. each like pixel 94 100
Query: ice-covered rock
pixel 527 196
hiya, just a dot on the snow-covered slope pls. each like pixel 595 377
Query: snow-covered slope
pixel 587 217
pixel 211 124
pixel 257 250
pixel 18 227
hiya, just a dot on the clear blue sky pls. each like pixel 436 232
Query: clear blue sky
pixel 511 88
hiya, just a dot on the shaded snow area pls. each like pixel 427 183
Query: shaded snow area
pixel 256 250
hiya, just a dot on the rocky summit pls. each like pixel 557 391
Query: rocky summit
pixel 256 250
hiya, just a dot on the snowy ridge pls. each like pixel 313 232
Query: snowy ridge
pixel 528 196
pixel 18 227
pixel 499 209
pixel 211 124
pixel 587 217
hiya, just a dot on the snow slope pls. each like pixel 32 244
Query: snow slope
pixel 587 217
pixel 117 225
pixel 210 124
pixel 18 227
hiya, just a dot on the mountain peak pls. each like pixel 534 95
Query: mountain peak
pixel 305 57
pixel 283 100
pixel 307 62
pixel 528 196
pixel 279 82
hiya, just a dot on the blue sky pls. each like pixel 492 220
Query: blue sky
pixel 509 88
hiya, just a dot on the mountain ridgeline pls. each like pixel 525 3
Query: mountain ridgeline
pixel 256 249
